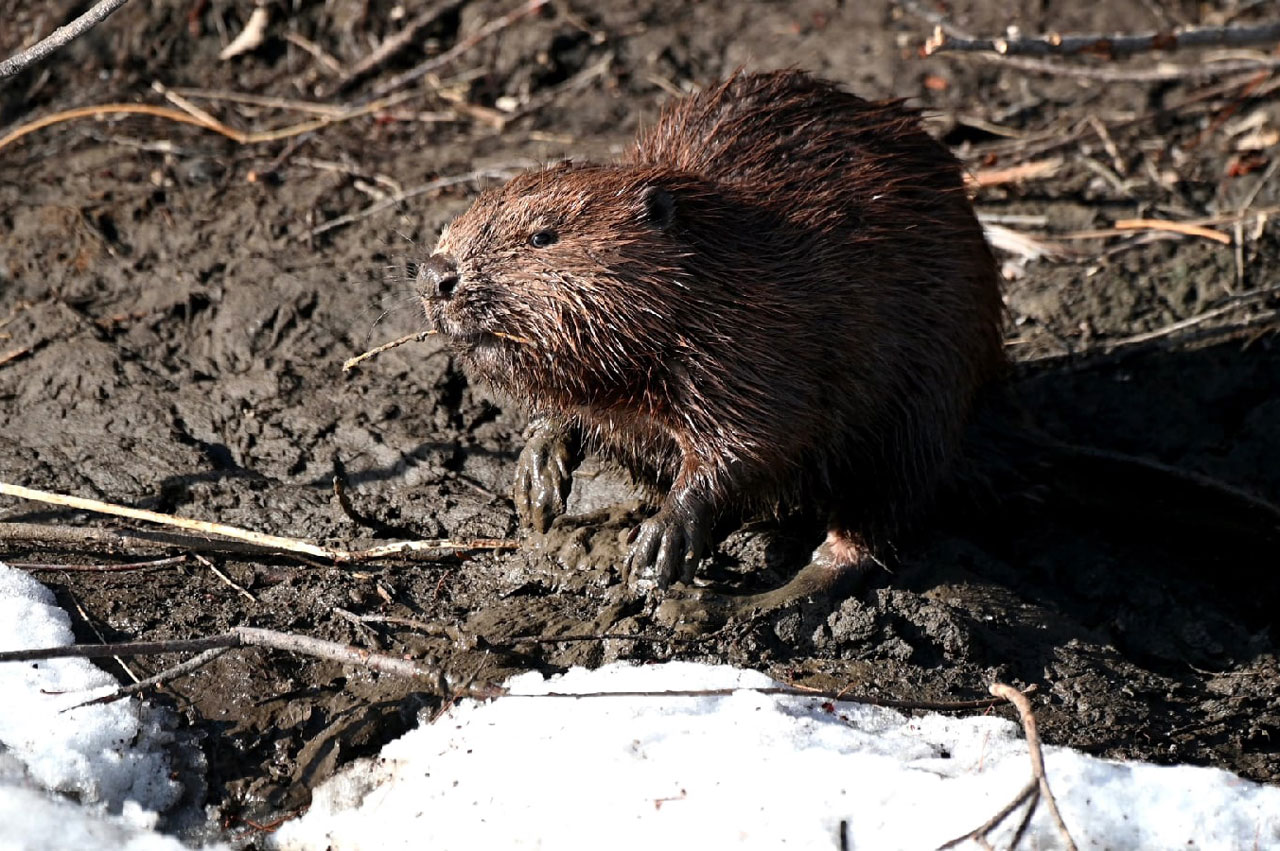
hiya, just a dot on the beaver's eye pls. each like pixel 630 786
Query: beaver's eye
pixel 543 238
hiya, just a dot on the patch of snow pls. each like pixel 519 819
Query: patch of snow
pixel 92 777
pixel 746 770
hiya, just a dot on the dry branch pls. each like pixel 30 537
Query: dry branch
pixel 352 363
pixel 436 63
pixel 60 37
pixel 189 114
pixel 272 543
pixel 1112 74
pixel 243 636
pixel 1121 44
pixel 1036 788
pixel 399 197
pixel 394 44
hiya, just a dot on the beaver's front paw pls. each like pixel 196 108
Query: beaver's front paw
pixel 544 473
pixel 665 549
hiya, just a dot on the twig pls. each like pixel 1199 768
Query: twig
pixel 240 636
pixel 197 117
pixel 1122 44
pixel 244 636
pixel 1031 170
pixel 352 363
pixel 1173 227
pixel 400 197
pixel 1158 74
pixel 1020 702
pixel 317 52
pixel 436 63
pixel 275 543
pixel 1036 788
pixel 153 564
pixel 306 106
pixel 227 579
pixel 78 539
pixel 187 667
pixel 60 37
pixel 14 354
pixel 395 43
pixel 1235 303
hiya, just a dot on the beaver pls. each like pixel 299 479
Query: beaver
pixel 780 295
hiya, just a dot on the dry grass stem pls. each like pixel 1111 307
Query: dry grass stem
pixel 1032 170
pixel 1173 227
pixel 188 113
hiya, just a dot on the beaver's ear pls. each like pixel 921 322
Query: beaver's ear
pixel 659 207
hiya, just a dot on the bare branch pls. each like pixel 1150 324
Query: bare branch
pixel 1112 46
pixel 395 43
pixel 437 62
pixel 1113 74
pixel 60 37
pixel 1037 787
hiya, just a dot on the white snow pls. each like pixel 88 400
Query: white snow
pixel 744 770
pixel 93 777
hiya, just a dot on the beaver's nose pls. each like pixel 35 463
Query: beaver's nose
pixel 438 276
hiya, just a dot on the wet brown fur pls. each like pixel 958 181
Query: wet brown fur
pixel 781 293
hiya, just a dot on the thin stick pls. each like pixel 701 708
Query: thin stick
pixel 1173 227
pixel 14 354
pixel 154 564
pixel 1122 44
pixel 1031 170
pixel 187 667
pixel 1020 702
pixel 199 118
pixel 244 636
pixel 60 37
pixel 1180 325
pixel 226 579
pixel 436 63
pixel 1158 74
pixel 394 44
pixel 979 833
pixel 275 543
pixel 1037 787
pixel 352 363
pixel 399 197
pixel 260 100
pixel 240 636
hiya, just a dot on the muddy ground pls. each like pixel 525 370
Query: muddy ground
pixel 172 331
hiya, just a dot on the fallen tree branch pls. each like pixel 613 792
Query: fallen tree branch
pixel 1120 44
pixel 60 37
pixel 1036 788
